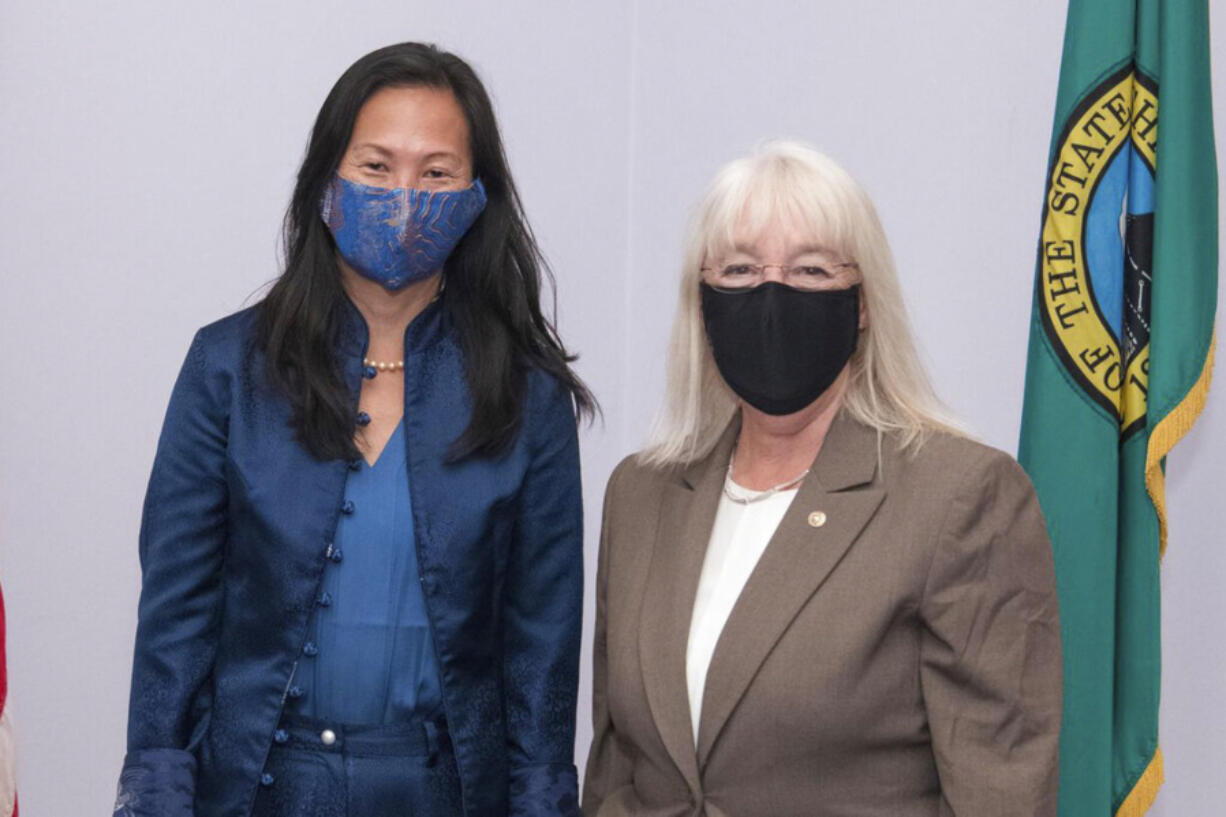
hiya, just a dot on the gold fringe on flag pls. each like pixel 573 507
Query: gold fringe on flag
pixel 1143 793
pixel 1170 430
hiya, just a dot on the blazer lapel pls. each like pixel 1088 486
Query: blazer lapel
pixel 687 514
pixel 823 520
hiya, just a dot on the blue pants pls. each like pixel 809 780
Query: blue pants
pixel 317 769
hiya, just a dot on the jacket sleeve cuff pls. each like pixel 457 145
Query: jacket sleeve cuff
pixel 546 790
pixel 157 783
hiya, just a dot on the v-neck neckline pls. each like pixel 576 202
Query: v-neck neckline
pixel 370 466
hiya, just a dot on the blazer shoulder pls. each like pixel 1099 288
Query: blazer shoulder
pixel 544 388
pixel 966 465
pixel 229 335
pixel 548 408
pixel 211 372
pixel 632 479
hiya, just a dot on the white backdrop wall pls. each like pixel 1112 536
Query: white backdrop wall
pixel 147 150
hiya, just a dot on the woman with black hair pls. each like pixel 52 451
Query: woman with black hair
pixel 361 544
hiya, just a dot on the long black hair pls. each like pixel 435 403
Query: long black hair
pixel 493 277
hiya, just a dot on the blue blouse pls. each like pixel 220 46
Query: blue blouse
pixel 370 656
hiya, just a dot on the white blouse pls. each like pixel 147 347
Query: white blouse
pixel 738 539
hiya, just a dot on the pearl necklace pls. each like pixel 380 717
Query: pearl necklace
pixel 759 496
pixel 388 366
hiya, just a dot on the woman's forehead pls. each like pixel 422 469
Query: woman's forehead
pixel 773 237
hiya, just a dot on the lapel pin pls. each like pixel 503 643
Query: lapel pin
pixel 817 519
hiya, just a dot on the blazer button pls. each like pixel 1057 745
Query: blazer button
pixel 324 600
pixel 817 519
pixel 280 736
pixel 310 650
pixel 369 372
pixel 267 780
pixel 327 737
pixel 295 692
pixel 363 418
pixel 335 555
pixel 348 508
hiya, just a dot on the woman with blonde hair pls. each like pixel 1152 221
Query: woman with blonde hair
pixel 815 594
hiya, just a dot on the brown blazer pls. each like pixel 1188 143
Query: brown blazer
pixel 899 657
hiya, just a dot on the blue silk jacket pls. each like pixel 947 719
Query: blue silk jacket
pixel 238 524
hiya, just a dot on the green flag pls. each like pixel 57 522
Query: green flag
pixel 1121 348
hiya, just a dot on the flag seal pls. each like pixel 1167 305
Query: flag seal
pixel 1096 248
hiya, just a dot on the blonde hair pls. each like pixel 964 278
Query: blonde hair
pixel 789 184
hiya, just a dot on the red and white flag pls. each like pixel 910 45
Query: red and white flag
pixel 8 777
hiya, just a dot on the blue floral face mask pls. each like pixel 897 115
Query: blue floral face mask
pixel 400 236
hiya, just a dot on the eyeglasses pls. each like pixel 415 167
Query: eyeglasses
pixel 806 276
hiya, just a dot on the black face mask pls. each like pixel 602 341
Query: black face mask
pixel 779 347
